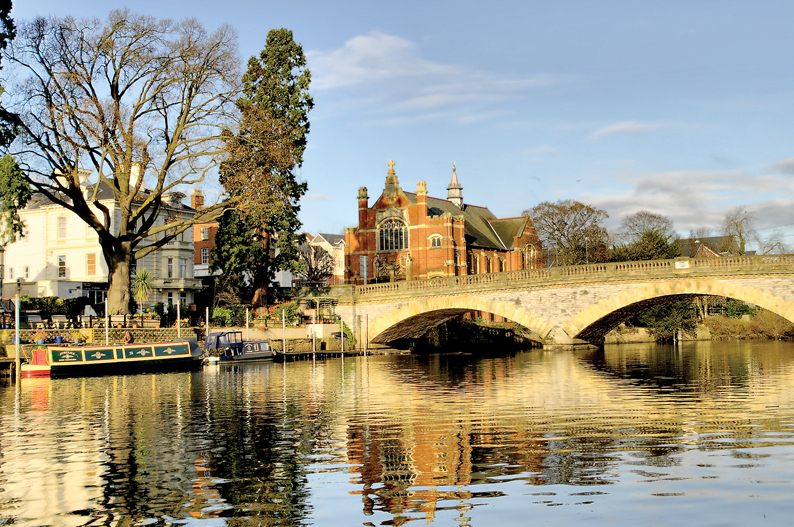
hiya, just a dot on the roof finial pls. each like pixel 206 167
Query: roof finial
pixel 392 184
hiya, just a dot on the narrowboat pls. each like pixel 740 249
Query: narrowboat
pixel 79 361
pixel 227 346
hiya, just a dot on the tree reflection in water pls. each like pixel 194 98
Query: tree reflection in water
pixel 389 439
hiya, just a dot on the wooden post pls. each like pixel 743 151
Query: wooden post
pixel 178 322
pixel 207 323
pixel 247 335
pixel 107 326
pixel 17 361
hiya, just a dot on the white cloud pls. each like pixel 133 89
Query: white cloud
pixel 628 127
pixel 785 166
pixel 386 73
pixel 695 198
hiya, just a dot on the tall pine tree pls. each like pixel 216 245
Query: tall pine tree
pixel 259 173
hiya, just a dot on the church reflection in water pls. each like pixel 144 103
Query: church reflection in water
pixel 415 437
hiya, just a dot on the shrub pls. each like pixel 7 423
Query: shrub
pixel 290 310
pixel 226 314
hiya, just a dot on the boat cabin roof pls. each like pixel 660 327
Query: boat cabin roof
pixel 223 339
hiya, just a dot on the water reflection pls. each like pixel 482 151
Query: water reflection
pixel 389 439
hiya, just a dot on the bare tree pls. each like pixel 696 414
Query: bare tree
pixel 632 227
pixel 134 105
pixel 317 264
pixel 571 232
pixel 739 224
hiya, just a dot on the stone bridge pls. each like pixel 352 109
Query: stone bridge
pixel 562 305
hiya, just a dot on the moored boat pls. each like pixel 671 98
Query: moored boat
pixel 226 346
pixel 76 361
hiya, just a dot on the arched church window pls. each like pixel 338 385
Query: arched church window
pixel 435 241
pixel 529 256
pixel 393 236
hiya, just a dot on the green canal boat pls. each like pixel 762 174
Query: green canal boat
pixel 78 361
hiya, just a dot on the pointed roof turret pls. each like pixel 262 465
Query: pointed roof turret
pixel 392 184
pixel 454 190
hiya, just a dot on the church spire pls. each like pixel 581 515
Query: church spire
pixel 454 190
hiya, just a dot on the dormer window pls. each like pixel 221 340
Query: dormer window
pixel 392 236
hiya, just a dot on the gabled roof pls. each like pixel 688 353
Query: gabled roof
pixel 333 239
pixel 722 245
pixel 481 227
pixel 509 228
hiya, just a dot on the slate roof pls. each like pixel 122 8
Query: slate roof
pixel 333 239
pixel 39 200
pixel 722 245
pixel 481 227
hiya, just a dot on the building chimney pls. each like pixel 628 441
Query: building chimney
pixel 196 199
pixel 135 174
pixel 421 200
pixel 454 190
pixel 363 205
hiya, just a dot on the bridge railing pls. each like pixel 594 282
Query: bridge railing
pixel 597 272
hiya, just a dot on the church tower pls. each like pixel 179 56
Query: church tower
pixel 454 190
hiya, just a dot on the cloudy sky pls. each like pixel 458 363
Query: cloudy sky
pixel 683 108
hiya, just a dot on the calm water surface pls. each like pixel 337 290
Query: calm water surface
pixel 633 435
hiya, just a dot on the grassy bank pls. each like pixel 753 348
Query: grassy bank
pixel 764 325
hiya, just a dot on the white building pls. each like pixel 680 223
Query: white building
pixel 334 245
pixel 59 255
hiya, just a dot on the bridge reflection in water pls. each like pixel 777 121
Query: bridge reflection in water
pixel 626 434
pixel 561 304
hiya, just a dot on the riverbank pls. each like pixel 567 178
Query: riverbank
pixel 763 326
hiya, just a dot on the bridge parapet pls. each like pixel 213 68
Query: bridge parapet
pixel 590 273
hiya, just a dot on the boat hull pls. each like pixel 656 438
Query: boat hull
pixel 71 361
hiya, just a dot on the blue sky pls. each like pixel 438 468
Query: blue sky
pixel 683 108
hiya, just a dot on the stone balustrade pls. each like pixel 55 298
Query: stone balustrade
pixel 589 273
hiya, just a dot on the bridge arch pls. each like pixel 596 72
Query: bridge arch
pixel 402 322
pixel 593 322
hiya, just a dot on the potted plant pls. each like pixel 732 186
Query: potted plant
pixel 77 337
pixel 40 336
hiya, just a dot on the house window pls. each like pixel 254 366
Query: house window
pixel 90 264
pixel 435 241
pixel 61 228
pixel 393 236
pixel 10 273
pixel 62 266
pixel 182 267
pixel 170 268
pixel 205 255
pixel 183 297
pixel 26 271
pixel 25 236
pixel 205 233
pixel 170 297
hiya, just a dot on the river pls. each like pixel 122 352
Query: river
pixel 701 434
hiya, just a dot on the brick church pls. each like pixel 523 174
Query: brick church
pixel 411 236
